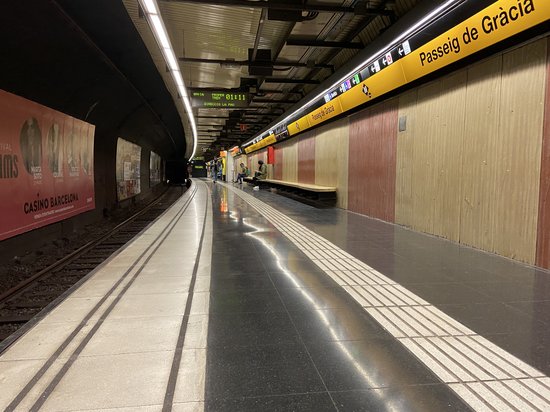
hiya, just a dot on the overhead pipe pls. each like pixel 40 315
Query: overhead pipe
pixel 359 9
pixel 263 16
pixel 325 44
pixel 224 62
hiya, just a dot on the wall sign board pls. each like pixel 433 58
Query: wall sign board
pixel 46 166
pixel 128 169
pixel 462 32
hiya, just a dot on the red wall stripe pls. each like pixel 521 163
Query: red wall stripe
pixel 306 159
pixel 543 229
pixel 372 161
pixel 278 165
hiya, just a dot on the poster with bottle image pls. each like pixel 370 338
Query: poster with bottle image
pixel 128 169
pixel 41 175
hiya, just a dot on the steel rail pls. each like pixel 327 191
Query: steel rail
pixel 44 273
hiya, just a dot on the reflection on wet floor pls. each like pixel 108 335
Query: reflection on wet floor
pixel 503 300
pixel 284 336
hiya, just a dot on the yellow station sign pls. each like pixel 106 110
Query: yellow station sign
pixel 501 20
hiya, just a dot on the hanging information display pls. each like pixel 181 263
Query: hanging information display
pixel 219 98
pixel 46 165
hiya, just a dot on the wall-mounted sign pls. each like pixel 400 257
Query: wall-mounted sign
pixel 128 169
pixel 462 33
pixel 155 169
pixel 219 98
pixel 46 166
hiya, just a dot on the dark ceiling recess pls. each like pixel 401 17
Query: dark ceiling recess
pixel 261 65
pixel 258 64
pixel 291 81
pixel 362 8
pixel 284 14
pixel 321 43
pixel 86 59
pixel 366 21
pixel 269 101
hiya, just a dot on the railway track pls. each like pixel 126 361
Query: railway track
pixel 21 303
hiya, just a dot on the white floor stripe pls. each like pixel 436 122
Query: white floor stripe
pixel 486 365
pixel 421 329
pixel 386 323
pixel 422 312
pixel 490 397
pixel 473 399
pixel 442 372
pixel 526 390
pixel 511 396
pixel 445 359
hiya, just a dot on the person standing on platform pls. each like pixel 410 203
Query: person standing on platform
pixel 214 170
pixel 219 164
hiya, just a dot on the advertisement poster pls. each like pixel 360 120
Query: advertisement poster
pixel 128 164
pixel 155 169
pixel 46 165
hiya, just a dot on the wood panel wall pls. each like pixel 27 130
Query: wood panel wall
pixel 543 235
pixel 253 162
pixel 468 165
pixel 543 230
pixel 290 160
pixel 306 158
pixel 481 138
pixel 429 169
pixel 404 213
pixel 332 157
pixel 372 161
pixel 519 151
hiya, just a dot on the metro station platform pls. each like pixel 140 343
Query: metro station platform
pixel 236 300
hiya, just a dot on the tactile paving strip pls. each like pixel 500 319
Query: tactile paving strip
pixel 485 376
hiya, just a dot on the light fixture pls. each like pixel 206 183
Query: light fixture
pixel 152 14
pixel 417 26
pixel 150 6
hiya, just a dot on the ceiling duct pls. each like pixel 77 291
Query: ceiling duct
pixel 262 65
pixel 281 14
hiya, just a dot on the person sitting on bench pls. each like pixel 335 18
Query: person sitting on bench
pixel 261 174
pixel 243 174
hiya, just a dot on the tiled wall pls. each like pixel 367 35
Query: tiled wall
pixel 543 238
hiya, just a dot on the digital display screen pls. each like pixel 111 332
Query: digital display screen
pixel 221 98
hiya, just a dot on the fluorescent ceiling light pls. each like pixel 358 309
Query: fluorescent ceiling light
pixel 187 105
pixel 159 31
pixel 177 78
pixel 149 6
pixel 171 59
pixel 418 25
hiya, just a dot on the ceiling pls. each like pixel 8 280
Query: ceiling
pixel 213 39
